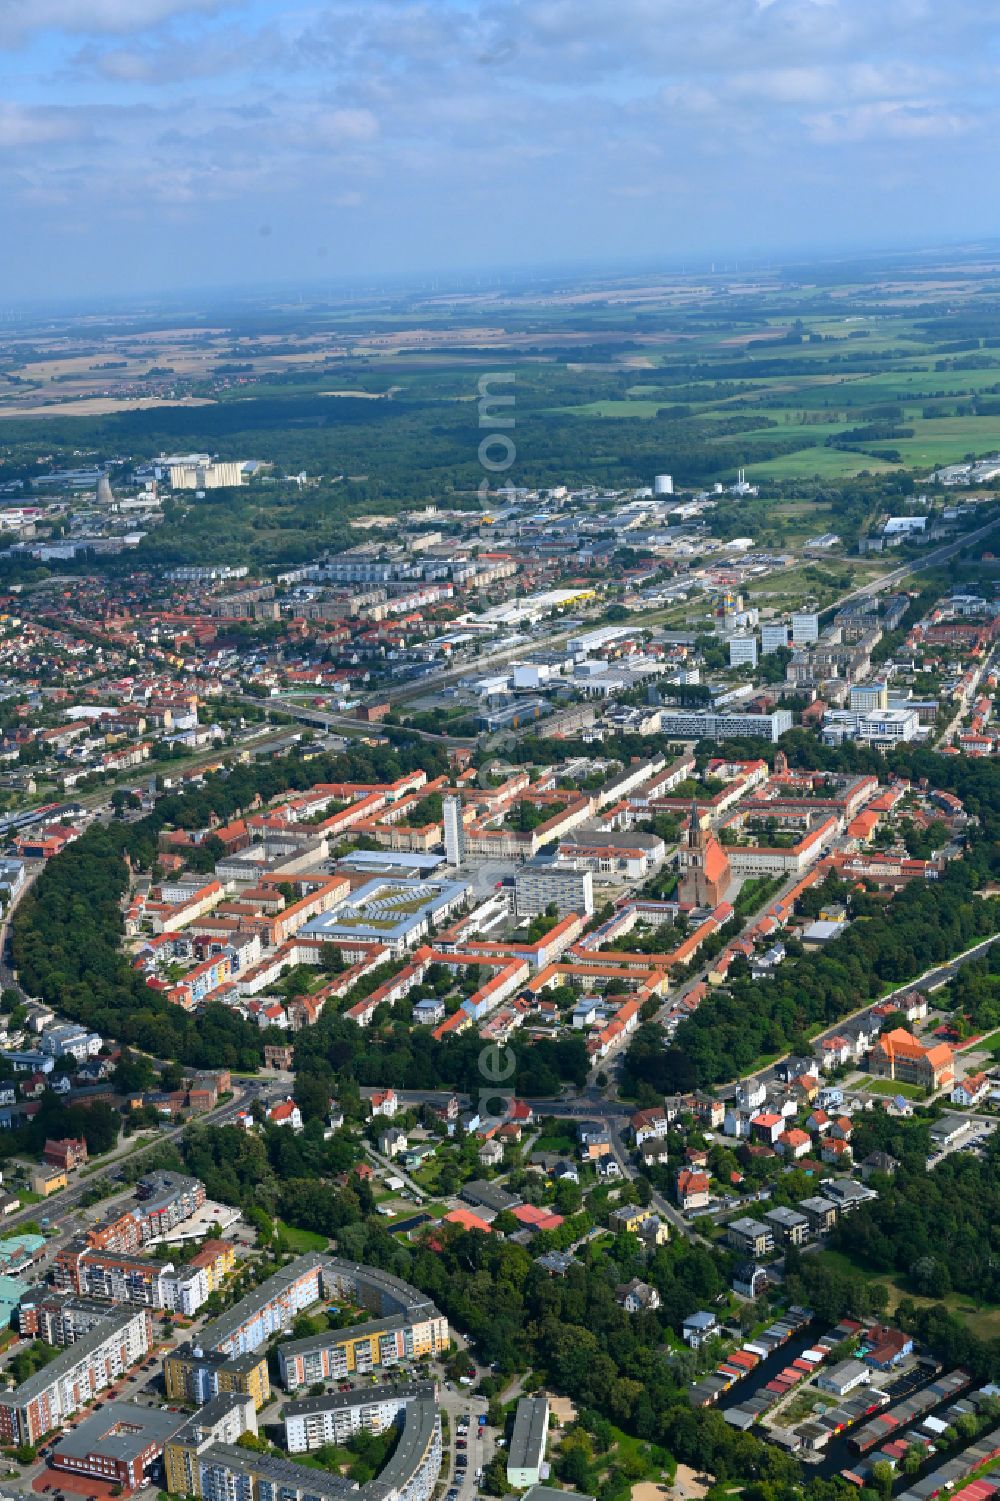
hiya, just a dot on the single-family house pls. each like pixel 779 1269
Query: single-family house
pixel 692 1189
pixel 638 1297
pixel 749 1279
pixel 971 1090
pixel 698 1327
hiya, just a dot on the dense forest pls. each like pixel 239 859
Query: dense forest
pixel 407 1057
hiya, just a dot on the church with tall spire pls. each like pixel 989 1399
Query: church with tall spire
pixel 704 865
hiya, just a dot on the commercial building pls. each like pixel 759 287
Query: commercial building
pixel 48 1180
pixel 569 887
pixel 77 1374
pixel 396 913
pixel 118 1444
pixel 743 651
pixel 869 697
pixel 337 1416
pixel 12 1290
pixel 878 727
pixel 526 1454
pixel 699 725
pixel 625 856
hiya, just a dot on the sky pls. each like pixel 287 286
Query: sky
pixel 156 146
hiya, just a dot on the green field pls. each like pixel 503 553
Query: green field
pixel 613 384
pixel 821 463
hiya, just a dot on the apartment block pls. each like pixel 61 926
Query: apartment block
pixel 569 887
pixel 78 1374
pixel 406 1326
pixel 115 1275
pixel 192 1374
pixel 335 1417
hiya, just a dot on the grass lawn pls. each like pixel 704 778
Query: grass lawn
pixel 763 1060
pixel 404 1210
pixel 894 1086
pixel 553 1143
pixel 988 1044
pixel 811 580
pixel 302 1240
pixel 627 1447
pixel 945 440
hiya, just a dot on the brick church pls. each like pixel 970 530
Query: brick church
pixel 704 865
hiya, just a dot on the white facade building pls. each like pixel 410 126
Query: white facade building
pixel 743 651
pixel 569 887
pixel 454 830
pixel 698 725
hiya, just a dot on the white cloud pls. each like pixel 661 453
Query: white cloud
pixel 20 18
pixel 596 122
pixel 23 126
pixel 889 119
pixel 336 126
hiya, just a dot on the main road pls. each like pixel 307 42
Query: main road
pixel 915 565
